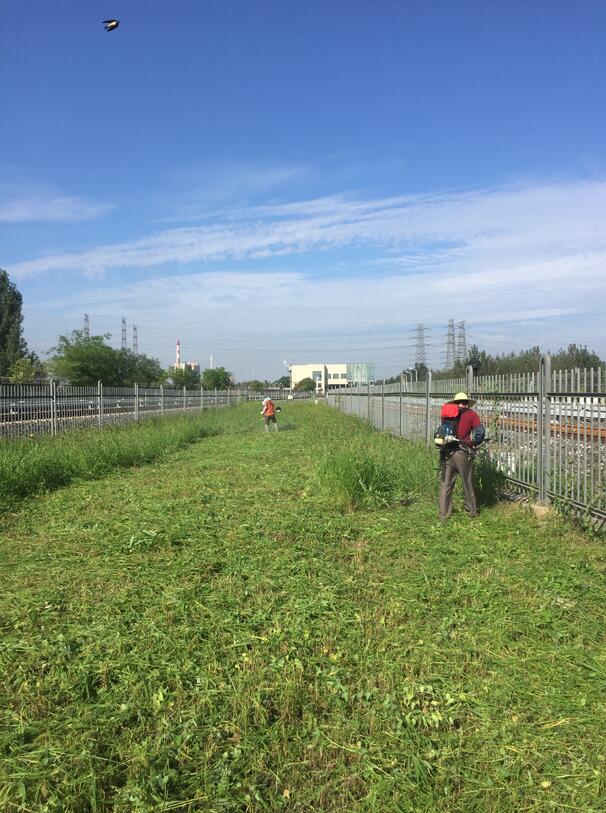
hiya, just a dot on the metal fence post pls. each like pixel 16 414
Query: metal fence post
pixel 99 404
pixel 161 399
pixel 400 406
pixel 383 405
pixel 469 376
pixel 368 403
pixel 228 396
pixel 184 398
pixel 216 397
pixel 202 399
pixel 543 429
pixel 53 393
pixel 428 387
pixel 540 459
pixel 136 402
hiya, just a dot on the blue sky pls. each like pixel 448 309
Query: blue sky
pixel 306 180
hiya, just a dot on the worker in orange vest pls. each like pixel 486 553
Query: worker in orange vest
pixel 269 414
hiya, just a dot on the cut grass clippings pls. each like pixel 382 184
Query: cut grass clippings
pixel 213 632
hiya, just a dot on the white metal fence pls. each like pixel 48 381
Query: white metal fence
pixel 52 408
pixel 547 429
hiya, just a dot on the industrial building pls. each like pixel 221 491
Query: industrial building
pixel 181 365
pixel 331 376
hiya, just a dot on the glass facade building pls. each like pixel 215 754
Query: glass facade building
pixel 360 373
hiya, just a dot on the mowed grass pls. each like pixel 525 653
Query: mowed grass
pixel 223 630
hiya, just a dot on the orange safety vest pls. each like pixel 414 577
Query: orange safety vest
pixel 269 408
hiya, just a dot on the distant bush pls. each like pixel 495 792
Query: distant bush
pixel 306 385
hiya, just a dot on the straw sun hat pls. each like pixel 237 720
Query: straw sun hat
pixel 462 396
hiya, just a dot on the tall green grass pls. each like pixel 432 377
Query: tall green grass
pixel 374 469
pixel 32 465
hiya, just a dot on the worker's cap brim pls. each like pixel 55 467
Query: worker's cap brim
pixel 462 396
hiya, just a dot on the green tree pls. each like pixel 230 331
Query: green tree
pixel 306 385
pixel 26 370
pixel 149 371
pixel 283 381
pixel 573 357
pixel 217 378
pixel 184 377
pixel 83 360
pixel 523 361
pixel 255 385
pixel 422 370
pixel 140 369
pixel 12 343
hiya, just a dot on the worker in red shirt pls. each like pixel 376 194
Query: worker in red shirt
pixel 460 461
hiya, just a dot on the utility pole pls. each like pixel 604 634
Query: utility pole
pixel 450 345
pixel 86 326
pixel 461 351
pixel 421 352
pixel 123 333
pixel 135 341
pixel 289 368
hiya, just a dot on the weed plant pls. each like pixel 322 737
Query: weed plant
pixel 207 633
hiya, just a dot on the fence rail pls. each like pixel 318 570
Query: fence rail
pixel 52 408
pixel 547 429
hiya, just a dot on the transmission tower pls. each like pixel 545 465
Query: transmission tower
pixel 461 350
pixel 450 345
pixel 421 352
pixel 123 333
pixel 86 326
pixel 135 341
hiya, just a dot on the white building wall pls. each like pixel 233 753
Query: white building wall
pixel 325 375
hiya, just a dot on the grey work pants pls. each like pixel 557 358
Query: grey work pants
pixel 458 463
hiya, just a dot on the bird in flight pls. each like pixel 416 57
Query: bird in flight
pixel 111 25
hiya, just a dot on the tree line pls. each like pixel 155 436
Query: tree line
pixel 524 361
pixel 83 360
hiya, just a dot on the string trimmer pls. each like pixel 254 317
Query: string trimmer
pixel 407 500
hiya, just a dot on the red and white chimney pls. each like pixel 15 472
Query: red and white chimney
pixel 178 359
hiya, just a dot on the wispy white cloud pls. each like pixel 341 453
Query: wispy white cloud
pixel 495 226
pixel 207 188
pixel 242 315
pixel 529 256
pixel 23 204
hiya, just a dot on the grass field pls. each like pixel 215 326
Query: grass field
pixel 242 625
